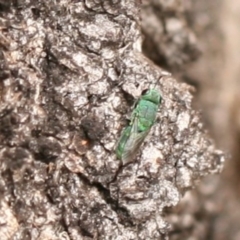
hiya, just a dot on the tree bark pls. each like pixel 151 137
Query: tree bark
pixel 71 72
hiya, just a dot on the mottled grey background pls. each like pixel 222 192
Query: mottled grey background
pixel 70 73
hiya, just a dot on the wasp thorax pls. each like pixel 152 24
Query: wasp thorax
pixel 152 95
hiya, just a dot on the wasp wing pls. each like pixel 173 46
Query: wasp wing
pixel 134 141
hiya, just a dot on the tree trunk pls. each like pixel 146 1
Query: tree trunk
pixel 72 73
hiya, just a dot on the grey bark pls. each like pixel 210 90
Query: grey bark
pixel 70 74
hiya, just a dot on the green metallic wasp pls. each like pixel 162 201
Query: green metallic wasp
pixel 141 121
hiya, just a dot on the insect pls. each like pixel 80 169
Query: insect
pixel 141 121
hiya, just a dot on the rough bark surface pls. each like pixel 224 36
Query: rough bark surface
pixel 70 74
pixel 212 210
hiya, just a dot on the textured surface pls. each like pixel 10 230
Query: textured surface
pixel 169 39
pixel 211 211
pixel 70 74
